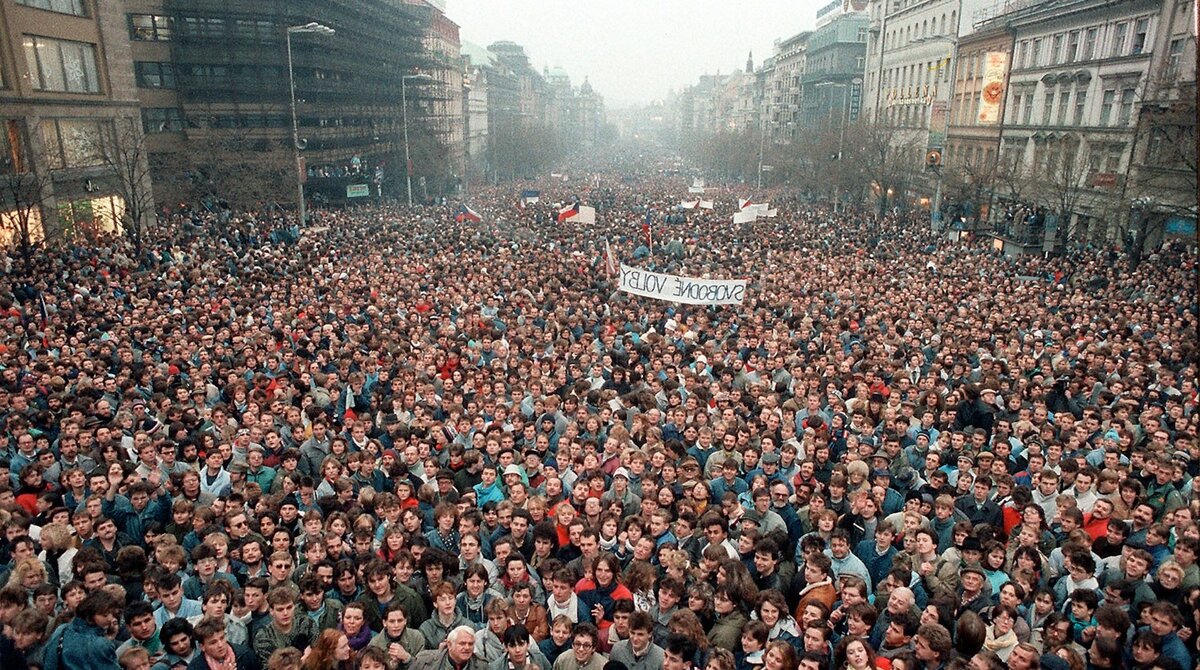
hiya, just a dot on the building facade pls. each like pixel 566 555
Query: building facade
pixel 66 85
pixel 832 84
pixel 1080 71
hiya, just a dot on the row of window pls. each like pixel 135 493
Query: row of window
pixel 162 28
pixel 73 7
pixel 917 74
pixel 1108 41
pixel 899 37
pixel 1067 105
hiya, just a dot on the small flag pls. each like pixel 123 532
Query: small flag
pixel 568 211
pixel 610 260
pixel 465 213
pixel 647 231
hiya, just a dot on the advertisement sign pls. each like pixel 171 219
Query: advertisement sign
pixel 358 190
pixel 994 68
pixel 938 118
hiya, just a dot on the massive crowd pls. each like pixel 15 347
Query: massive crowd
pixel 404 442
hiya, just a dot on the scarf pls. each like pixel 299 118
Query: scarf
pixel 995 644
pixel 362 639
pixel 230 662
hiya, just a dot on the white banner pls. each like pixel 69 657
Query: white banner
pixel 695 189
pixel 994 69
pixel 687 290
pixel 745 216
pixel 702 204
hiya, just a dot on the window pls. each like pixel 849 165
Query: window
pixel 1112 157
pixel 1056 47
pixel 155 75
pixel 61 65
pixel 1023 54
pixel 1089 43
pixel 1035 53
pixel 1018 99
pixel 161 119
pixel 1048 107
pixel 1064 106
pixel 149 27
pixel 1174 58
pixel 1106 106
pixel 1117 48
pixel 860 63
pixel 73 7
pixel 1080 104
pixel 1126 116
pixel 1027 113
pixel 1072 47
pixel 862 34
pixel 72 143
pixel 1140 29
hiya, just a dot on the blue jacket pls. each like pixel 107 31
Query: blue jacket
pixel 877 566
pixel 84 647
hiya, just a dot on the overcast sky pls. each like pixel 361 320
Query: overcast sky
pixel 634 51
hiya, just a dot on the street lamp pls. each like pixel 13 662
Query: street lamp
pixel 404 104
pixel 842 126
pixel 317 29
pixel 935 209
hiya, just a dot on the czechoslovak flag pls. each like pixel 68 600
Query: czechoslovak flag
pixel 465 213
pixel 568 211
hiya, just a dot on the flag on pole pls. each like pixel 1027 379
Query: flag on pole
pixel 610 260
pixel 647 231
pixel 465 213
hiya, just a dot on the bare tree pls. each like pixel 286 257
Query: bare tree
pixel 1066 167
pixel 124 154
pixel 883 154
pixel 24 192
pixel 1162 180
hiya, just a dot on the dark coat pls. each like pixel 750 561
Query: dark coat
pixel 246 659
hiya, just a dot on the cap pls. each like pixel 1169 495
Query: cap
pixel 986 455
pixel 881 472
pixel 972 543
pixel 256 447
pixel 966 457
pixel 238 467
pixel 882 454
pixel 973 568
pixel 772 458
pixel 445 473
pixel 512 470
pixel 987 389
pixel 620 472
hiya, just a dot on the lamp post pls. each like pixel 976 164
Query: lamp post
pixel 315 28
pixel 935 208
pixel 404 104
pixel 842 124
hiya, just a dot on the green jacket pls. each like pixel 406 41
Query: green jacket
pixel 268 638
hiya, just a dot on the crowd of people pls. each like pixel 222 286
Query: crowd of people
pixel 402 442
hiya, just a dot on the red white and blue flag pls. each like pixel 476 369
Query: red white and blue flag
pixel 568 211
pixel 465 213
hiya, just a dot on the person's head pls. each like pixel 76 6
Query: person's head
pixel 177 636
pixel 855 653
pixel 679 652
pixel 210 634
pixel 1164 618
pixel 281 602
pixel 584 641
pixel 461 644
pixel 932 645
pixel 134 658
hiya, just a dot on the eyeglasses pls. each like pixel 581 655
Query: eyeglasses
pixel 579 644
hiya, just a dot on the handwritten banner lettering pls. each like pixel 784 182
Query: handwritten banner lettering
pixel 687 290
